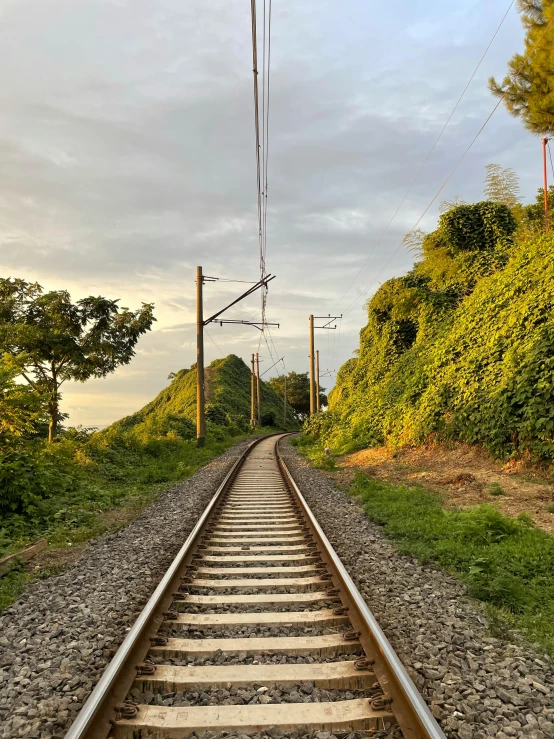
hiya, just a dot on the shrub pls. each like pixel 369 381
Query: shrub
pixel 27 478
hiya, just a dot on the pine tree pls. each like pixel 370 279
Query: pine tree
pixel 501 185
pixel 528 88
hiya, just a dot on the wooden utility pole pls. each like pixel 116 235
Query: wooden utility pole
pixel 314 391
pixel 285 405
pixel 317 380
pixel 258 389
pixel 200 323
pixel 200 418
pixel 545 183
pixel 312 384
pixel 252 396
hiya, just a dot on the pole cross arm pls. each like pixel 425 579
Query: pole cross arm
pixel 260 283
pixel 331 319
pixel 256 324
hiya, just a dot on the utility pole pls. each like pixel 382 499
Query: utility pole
pixel 200 323
pixel 312 388
pixel 252 396
pixel 285 405
pixel 317 380
pixel 258 389
pixel 314 401
pixel 545 183
pixel 200 418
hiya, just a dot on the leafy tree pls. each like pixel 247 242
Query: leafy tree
pixel 528 88
pixel 20 408
pixel 501 185
pixel 298 391
pixel 51 339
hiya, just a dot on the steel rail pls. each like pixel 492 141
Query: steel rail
pixel 410 710
pixel 411 713
pixel 94 717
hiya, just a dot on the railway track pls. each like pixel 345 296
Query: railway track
pixel 258 616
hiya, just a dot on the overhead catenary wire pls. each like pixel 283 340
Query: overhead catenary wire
pixel 213 342
pixel 451 174
pixel 433 147
pixel 257 121
pixel 262 140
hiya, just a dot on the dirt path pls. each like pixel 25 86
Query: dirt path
pixel 463 474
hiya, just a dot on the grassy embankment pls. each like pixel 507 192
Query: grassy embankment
pixel 505 562
pixel 90 483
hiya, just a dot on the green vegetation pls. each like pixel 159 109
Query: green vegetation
pixel 65 490
pixel 495 489
pixel 298 391
pixel 504 561
pixel 462 347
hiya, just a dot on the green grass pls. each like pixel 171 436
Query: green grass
pixel 495 489
pixel 504 561
pixel 314 452
pixel 550 507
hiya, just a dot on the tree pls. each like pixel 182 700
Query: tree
pixel 501 185
pixel 20 408
pixel 528 88
pixel 298 391
pixel 51 339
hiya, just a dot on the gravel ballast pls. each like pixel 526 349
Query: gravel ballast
pixel 476 685
pixel 58 637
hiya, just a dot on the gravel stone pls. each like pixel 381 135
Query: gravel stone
pixel 477 686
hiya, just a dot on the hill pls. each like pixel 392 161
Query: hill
pixel 173 411
pixel 462 347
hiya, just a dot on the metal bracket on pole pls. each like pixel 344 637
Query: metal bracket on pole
pixel 314 383
pixel 200 323
pixel 260 283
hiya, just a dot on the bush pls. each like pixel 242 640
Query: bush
pixel 27 478
pixel 216 414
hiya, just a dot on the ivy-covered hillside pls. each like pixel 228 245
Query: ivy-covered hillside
pixel 227 402
pixel 462 347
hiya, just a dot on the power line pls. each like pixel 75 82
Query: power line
pixel 213 342
pixel 408 191
pixel 447 180
pixel 257 120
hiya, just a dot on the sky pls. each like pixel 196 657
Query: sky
pixel 127 157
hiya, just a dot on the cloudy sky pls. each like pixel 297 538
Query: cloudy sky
pixel 127 158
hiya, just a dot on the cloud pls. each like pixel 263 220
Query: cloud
pixel 127 149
